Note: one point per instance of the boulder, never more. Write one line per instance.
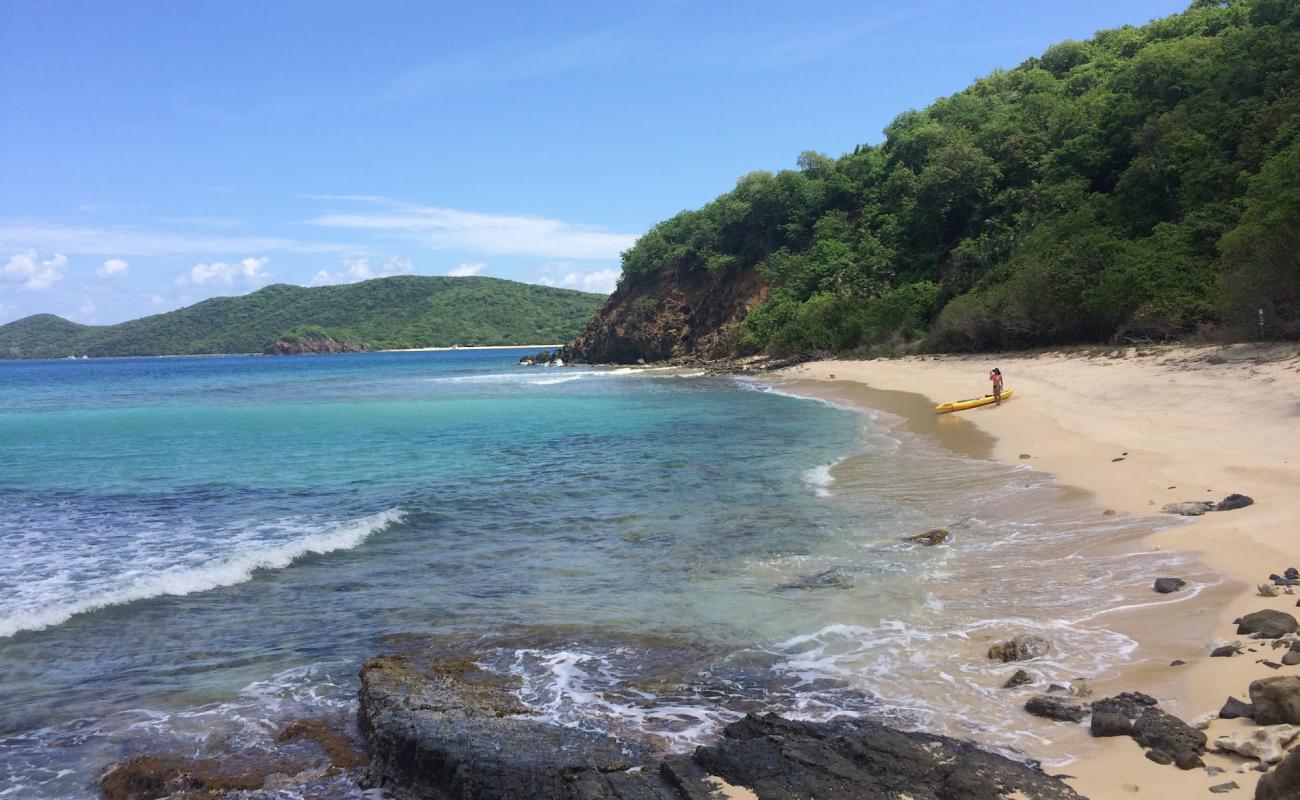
(1188, 759)
(1018, 678)
(1234, 709)
(1292, 573)
(1233, 502)
(929, 538)
(1167, 585)
(1192, 508)
(1267, 624)
(1226, 651)
(1021, 648)
(1055, 708)
(779, 759)
(1165, 732)
(1267, 743)
(1108, 723)
(1276, 700)
(1283, 783)
(1129, 704)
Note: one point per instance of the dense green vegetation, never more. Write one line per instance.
(403, 311)
(1142, 185)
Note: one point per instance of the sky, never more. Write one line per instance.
(155, 154)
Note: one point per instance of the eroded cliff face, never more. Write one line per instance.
(669, 316)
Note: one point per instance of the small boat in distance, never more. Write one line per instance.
(962, 405)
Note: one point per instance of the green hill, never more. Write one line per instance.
(1141, 185)
(384, 313)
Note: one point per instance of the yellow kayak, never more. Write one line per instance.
(962, 405)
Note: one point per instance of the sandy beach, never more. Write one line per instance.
(1138, 429)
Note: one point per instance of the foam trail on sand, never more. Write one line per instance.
(223, 571)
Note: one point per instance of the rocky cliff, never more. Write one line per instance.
(672, 315)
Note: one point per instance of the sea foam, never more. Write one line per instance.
(221, 571)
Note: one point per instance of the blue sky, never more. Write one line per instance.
(155, 154)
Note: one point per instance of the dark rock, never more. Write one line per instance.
(1188, 759)
(862, 760)
(832, 578)
(148, 777)
(338, 746)
(1227, 651)
(1268, 624)
(1291, 658)
(1021, 648)
(1160, 756)
(1223, 788)
(1113, 460)
(1276, 700)
(448, 728)
(1177, 662)
(312, 345)
(444, 728)
(1160, 731)
(1056, 687)
(929, 538)
(1025, 455)
(1167, 585)
(1283, 783)
(1108, 723)
(1055, 708)
(1214, 770)
(1292, 573)
(1234, 708)
(1233, 502)
(1129, 704)
(1192, 508)
(1018, 678)
(1271, 664)
(1285, 582)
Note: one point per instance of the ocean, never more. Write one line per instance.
(196, 551)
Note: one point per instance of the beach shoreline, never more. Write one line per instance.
(1136, 430)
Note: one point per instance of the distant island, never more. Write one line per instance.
(406, 311)
(1140, 186)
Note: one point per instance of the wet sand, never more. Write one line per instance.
(1135, 430)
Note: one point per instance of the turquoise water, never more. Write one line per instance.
(206, 548)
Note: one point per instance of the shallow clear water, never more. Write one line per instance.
(198, 549)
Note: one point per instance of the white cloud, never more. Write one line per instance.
(31, 272)
(360, 269)
(119, 242)
(595, 280)
(497, 234)
(250, 272)
(113, 266)
(87, 310)
(465, 270)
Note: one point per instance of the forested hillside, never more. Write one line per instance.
(402, 311)
(1141, 185)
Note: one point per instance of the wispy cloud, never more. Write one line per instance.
(496, 234)
(246, 273)
(113, 266)
(31, 272)
(565, 276)
(360, 269)
(465, 270)
(117, 241)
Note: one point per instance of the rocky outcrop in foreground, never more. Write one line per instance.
(443, 728)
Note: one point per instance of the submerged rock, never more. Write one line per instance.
(831, 578)
(1021, 648)
(1268, 624)
(1276, 700)
(1018, 678)
(1055, 708)
(929, 538)
(1167, 585)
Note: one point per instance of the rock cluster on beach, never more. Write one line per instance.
(1195, 508)
(447, 728)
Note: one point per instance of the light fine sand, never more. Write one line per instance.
(1185, 424)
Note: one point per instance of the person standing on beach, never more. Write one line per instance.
(996, 377)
